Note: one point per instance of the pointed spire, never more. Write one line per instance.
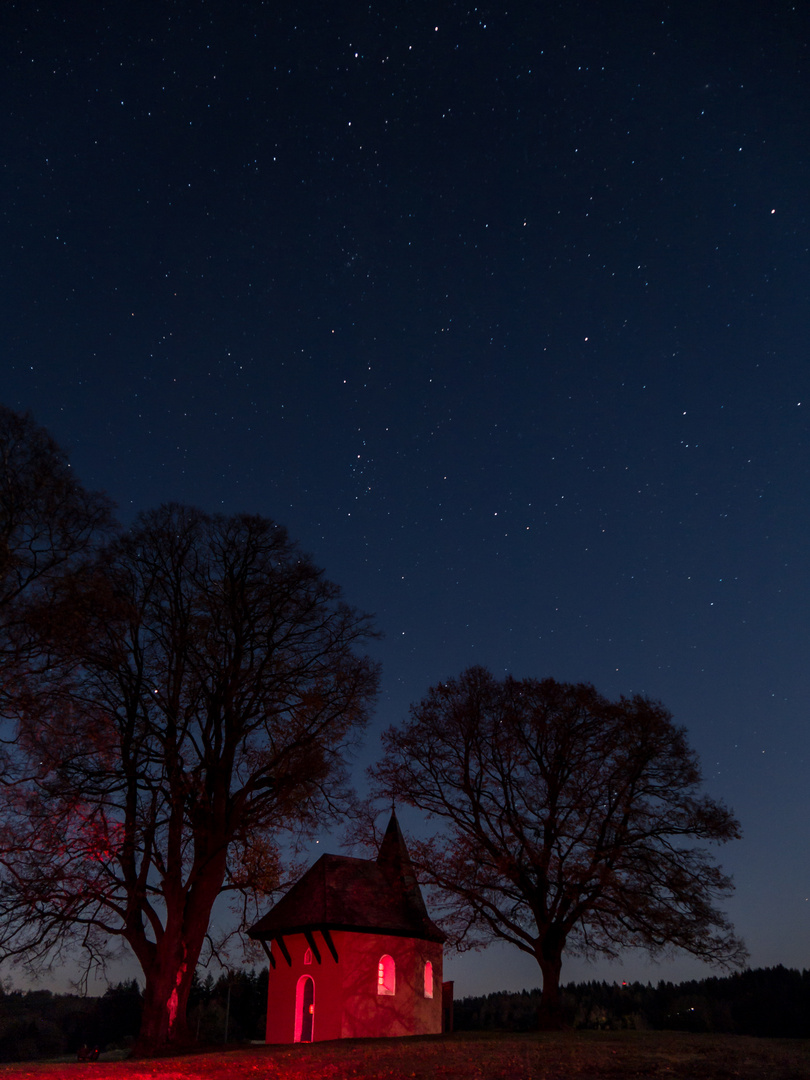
(395, 862)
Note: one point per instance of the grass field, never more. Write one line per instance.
(491, 1056)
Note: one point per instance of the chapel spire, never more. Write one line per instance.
(395, 862)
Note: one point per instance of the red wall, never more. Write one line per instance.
(346, 1002)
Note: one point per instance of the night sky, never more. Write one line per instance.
(501, 310)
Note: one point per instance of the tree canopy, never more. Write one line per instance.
(46, 517)
(48, 522)
(567, 821)
(192, 697)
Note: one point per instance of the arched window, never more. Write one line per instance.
(428, 979)
(308, 956)
(386, 976)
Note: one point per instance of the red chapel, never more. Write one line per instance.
(353, 953)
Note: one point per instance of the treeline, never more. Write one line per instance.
(772, 1002)
(231, 1009)
(40, 1024)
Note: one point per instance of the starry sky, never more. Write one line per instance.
(500, 309)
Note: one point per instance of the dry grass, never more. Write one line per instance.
(547, 1056)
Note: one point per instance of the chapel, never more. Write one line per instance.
(353, 952)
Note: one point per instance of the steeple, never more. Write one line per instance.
(395, 863)
(364, 896)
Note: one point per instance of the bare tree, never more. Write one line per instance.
(196, 691)
(46, 517)
(48, 522)
(569, 822)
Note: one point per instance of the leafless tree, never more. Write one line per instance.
(568, 822)
(48, 522)
(196, 690)
(47, 518)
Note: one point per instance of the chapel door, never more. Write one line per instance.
(307, 1009)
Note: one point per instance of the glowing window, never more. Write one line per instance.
(428, 980)
(386, 976)
(308, 956)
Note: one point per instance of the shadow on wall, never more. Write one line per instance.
(372, 986)
(391, 987)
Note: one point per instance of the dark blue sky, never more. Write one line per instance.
(500, 309)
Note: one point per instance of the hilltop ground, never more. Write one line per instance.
(491, 1056)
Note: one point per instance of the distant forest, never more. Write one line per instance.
(38, 1024)
(773, 1002)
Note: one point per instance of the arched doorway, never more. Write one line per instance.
(304, 1009)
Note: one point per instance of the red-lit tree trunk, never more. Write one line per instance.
(168, 981)
(169, 964)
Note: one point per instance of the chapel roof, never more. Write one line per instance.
(343, 893)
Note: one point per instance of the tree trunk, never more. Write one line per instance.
(549, 1013)
(170, 965)
(165, 996)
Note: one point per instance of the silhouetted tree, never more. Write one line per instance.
(47, 522)
(47, 518)
(198, 686)
(568, 822)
